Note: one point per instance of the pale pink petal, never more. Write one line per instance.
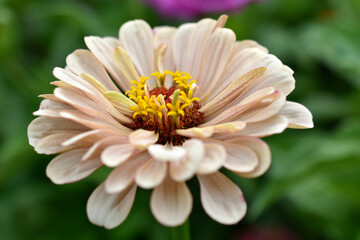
(215, 155)
(196, 45)
(110, 210)
(181, 43)
(151, 174)
(281, 80)
(239, 158)
(44, 126)
(117, 154)
(222, 200)
(103, 49)
(48, 104)
(125, 64)
(217, 53)
(123, 175)
(185, 169)
(68, 167)
(256, 107)
(206, 132)
(53, 143)
(298, 115)
(288, 69)
(196, 132)
(171, 203)
(50, 97)
(92, 92)
(241, 45)
(98, 147)
(81, 102)
(142, 138)
(265, 109)
(274, 125)
(138, 41)
(251, 58)
(165, 36)
(166, 153)
(83, 61)
(261, 149)
(92, 122)
(231, 92)
(88, 137)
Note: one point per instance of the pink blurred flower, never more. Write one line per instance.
(186, 9)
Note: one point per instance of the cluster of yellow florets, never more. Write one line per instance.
(151, 107)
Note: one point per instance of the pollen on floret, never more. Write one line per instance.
(164, 109)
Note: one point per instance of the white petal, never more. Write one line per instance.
(117, 154)
(142, 138)
(125, 64)
(171, 203)
(123, 175)
(98, 147)
(215, 155)
(185, 168)
(298, 115)
(53, 143)
(81, 102)
(196, 46)
(151, 174)
(165, 35)
(239, 158)
(181, 43)
(274, 125)
(166, 153)
(110, 210)
(44, 126)
(88, 136)
(216, 55)
(138, 41)
(103, 49)
(222, 200)
(92, 92)
(68, 167)
(83, 61)
(261, 149)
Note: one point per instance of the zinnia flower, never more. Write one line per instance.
(194, 8)
(192, 101)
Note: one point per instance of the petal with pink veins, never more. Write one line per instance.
(138, 41)
(84, 61)
(185, 168)
(298, 115)
(124, 174)
(261, 149)
(53, 143)
(215, 155)
(110, 210)
(171, 203)
(68, 167)
(142, 138)
(151, 174)
(117, 154)
(239, 158)
(222, 199)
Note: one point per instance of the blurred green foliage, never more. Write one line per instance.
(313, 187)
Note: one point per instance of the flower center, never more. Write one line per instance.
(163, 109)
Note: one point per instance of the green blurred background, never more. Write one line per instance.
(312, 190)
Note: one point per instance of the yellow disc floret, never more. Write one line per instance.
(152, 106)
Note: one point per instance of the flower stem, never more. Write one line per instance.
(181, 232)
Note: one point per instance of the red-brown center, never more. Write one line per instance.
(167, 129)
